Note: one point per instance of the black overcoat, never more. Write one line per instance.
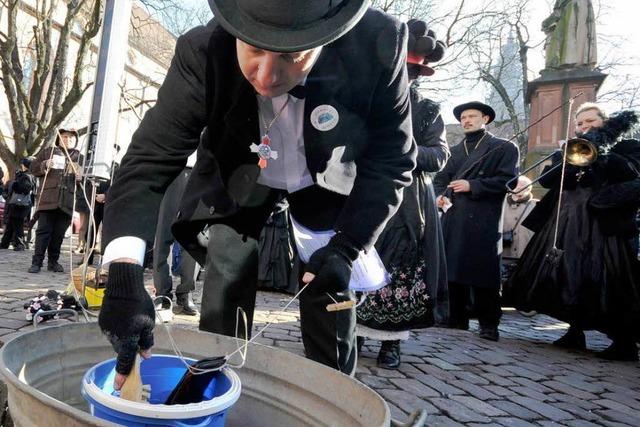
(360, 166)
(471, 227)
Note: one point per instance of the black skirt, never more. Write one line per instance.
(592, 285)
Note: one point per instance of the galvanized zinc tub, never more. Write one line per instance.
(43, 370)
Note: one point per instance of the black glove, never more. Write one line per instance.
(424, 42)
(127, 316)
(332, 264)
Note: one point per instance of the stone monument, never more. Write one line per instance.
(570, 68)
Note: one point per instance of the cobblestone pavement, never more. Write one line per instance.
(458, 378)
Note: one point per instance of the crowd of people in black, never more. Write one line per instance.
(455, 241)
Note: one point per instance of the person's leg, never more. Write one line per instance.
(9, 231)
(61, 222)
(43, 237)
(18, 234)
(231, 280)
(486, 303)
(164, 239)
(459, 296)
(187, 284)
(82, 233)
(98, 214)
(329, 337)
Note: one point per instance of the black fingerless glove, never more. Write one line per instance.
(127, 316)
(332, 264)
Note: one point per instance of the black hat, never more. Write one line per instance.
(286, 25)
(422, 48)
(26, 162)
(69, 130)
(475, 105)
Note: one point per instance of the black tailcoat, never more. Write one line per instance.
(360, 166)
(471, 228)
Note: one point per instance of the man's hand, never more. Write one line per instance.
(100, 198)
(127, 316)
(48, 164)
(441, 201)
(330, 267)
(460, 186)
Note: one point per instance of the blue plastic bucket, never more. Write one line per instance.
(162, 373)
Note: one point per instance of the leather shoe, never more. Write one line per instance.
(185, 302)
(489, 333)
(389, 356)
(620, 350)
(574, 339)
(55, 267)
(35, 268)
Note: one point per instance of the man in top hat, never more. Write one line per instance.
(471, 189)
(308, 100)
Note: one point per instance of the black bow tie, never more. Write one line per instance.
(299, 92)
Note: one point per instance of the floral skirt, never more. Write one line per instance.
(401, 305)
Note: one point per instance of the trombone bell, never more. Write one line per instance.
(581, 152)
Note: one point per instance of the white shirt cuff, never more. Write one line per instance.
(125, 247)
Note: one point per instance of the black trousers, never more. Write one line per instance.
(52, 225)
(466, 301)
(98, 215)
(164, 239)
(14, 227)
(231, 281)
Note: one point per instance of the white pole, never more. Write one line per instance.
(106, 96)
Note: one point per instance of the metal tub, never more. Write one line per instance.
(43, 371)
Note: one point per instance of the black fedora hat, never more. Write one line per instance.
(475, 105)
(288, 25)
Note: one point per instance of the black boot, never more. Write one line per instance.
(624, 350)
(55, 267)
(489, 333)
(35, 268)
(389, 356)
(185, 302)
(573, 339)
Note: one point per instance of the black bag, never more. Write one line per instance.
(18, 199)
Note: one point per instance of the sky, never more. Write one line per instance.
(617, 21)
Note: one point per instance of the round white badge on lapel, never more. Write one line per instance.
(324, 117)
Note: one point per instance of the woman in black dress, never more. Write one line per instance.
(411, 246)
(592, 281)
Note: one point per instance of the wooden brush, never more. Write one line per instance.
(339, 306)
(132, 389)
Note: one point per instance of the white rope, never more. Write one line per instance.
(564, 164)
(242, 350)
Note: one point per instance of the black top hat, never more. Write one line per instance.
(285, 25)
(475, 105)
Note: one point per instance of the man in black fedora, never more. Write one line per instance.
(471, 189)
(308, 101)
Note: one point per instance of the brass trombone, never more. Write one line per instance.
(579, 152)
